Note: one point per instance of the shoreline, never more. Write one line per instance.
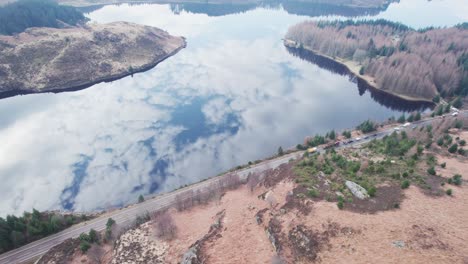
(107, 79)
(364, 78)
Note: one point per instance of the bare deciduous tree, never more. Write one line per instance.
(253, 180)
(165, 225)
(184, 200)
(96, 253)
(405, 61)
(231, 181)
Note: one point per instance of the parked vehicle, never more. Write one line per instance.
(311, 150)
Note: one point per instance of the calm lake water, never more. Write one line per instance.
(235, 94)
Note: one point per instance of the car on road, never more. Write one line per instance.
(455, 114)
(312, 150)
(366, 137)
(406, 124)
(396, 129)
(358, 138)
(351, 141)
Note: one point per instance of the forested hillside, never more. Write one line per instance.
(419, 64)
(17, 231)
(18, 16)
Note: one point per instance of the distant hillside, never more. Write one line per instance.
(341, 3)
(400, 60)
(55, 60)
(350, 3)
(17, 17)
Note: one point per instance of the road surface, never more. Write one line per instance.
(126, 216)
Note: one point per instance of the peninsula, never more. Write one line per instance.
(46, 47)
(55, 60)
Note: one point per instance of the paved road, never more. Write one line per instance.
(126, 216)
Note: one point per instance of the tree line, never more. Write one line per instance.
(421, 64)
(17, 231)
(18, 16)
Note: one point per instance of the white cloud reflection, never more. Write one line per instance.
(245, 81)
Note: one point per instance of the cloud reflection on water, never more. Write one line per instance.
(103, 146)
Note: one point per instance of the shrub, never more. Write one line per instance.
(141, 198)
(420, 149)
(443, 165)
(447, 108)
(431, 171)
(461, 151)
(141, 219)
(83, 237)
(428, 144)
(110, 222)
(440, 142)
(440, 110)
(317, 140)
(346, 134)
(453, 148)
(93, 236)
(402, 119)
(340, 204)
(366, 126)
(280, 151)
(457, 103)
(405, 184)
(417, 117)
(436, 99)
(462, 142)
(455, 180)
(312, 193)
(410, 118)
(458, 124)
(449, 192)
(371, 191)
(84, 246)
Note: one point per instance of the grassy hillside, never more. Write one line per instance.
(401, 60)
(17, 17)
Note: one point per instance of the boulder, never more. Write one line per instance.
(357, 190)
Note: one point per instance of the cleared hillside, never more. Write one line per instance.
(393, 57)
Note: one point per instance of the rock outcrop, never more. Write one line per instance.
(357, 190)
(55, 60)
(139, 247)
